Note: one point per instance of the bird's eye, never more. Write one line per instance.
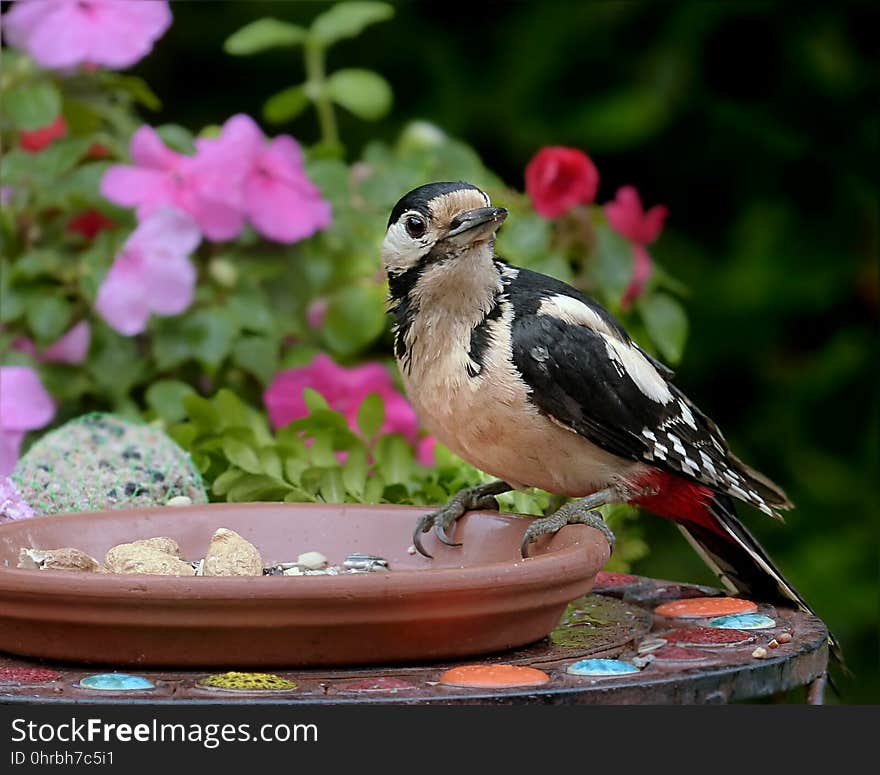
(415, 226)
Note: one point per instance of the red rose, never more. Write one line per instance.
(559, 178)
(38, 139)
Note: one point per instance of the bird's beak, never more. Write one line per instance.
(474, 225)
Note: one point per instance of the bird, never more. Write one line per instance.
(533, 382)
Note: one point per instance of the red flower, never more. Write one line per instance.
(89, 223)
(98, 151)
(558, 179)
(627, 217)
(37, 139)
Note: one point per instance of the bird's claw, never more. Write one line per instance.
(569, 514)
(443, 519)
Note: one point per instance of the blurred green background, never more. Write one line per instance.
(752, 123)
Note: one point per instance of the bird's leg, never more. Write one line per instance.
(469, 499)
(579, 512)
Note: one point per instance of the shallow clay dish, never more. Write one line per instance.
(474, 599)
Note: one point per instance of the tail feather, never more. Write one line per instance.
(741, 563)
(773, 495)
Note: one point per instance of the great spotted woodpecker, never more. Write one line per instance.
(533, 382)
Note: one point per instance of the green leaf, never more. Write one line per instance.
(240, 454)
(205, 335)
(257, 355)
(262, 35)
(332, 488)
(294, 468)
(314, 400)
(177, 137)
(374, 489)
(48, 316)
(270, 462)
(202, 412)
(355, 318)
(286, 105)
(32, 105)
(363, 92)
(258, 488)
(394, 459)
(347, 20)
(667, 324)
(224, 482)
(354, 472)
(234, 412)
(166, 397)
(613, 262)
(371, 415)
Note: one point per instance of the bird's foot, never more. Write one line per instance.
(574, 513)
(469, 499)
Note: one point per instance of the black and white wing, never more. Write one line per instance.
(585, 373)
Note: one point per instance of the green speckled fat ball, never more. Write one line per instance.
(100, 461)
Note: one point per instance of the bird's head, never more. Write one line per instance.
(439, 221)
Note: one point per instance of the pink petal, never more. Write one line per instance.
(171, 284)
(400, 417)
(24, 402)
(148, 150)
(425, 451)
(127, 31)
(12, 505)
(66, 33)
(627, 217)
(137, 187)
(72, 348)
(283, 398)
(24, 345)
(221, 163)
(282, 212)
(642, 268)
(316, 312)
(168, 230)
(652, 224)
(10, 449)
(219, 220)
(284, 160)
(121, 301)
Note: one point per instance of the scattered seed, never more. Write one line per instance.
(179, 500)
(773, 644)
(411, 549)
(312, 560)
(784, 637)
(759, 653)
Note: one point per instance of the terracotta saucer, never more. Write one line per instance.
(474, 599)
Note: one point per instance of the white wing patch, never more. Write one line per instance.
(574, 312)
(639, 369)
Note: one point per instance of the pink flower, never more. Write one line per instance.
(345, 389)
(37, 139)
(627, 217)
(425, 451)
(67, 33)
(12, 505)
(71, 348)
(152, 274)
(24, 406)
(232, 177)
(559, 178)
(316, 312)
(274, 192)
(165, 178)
